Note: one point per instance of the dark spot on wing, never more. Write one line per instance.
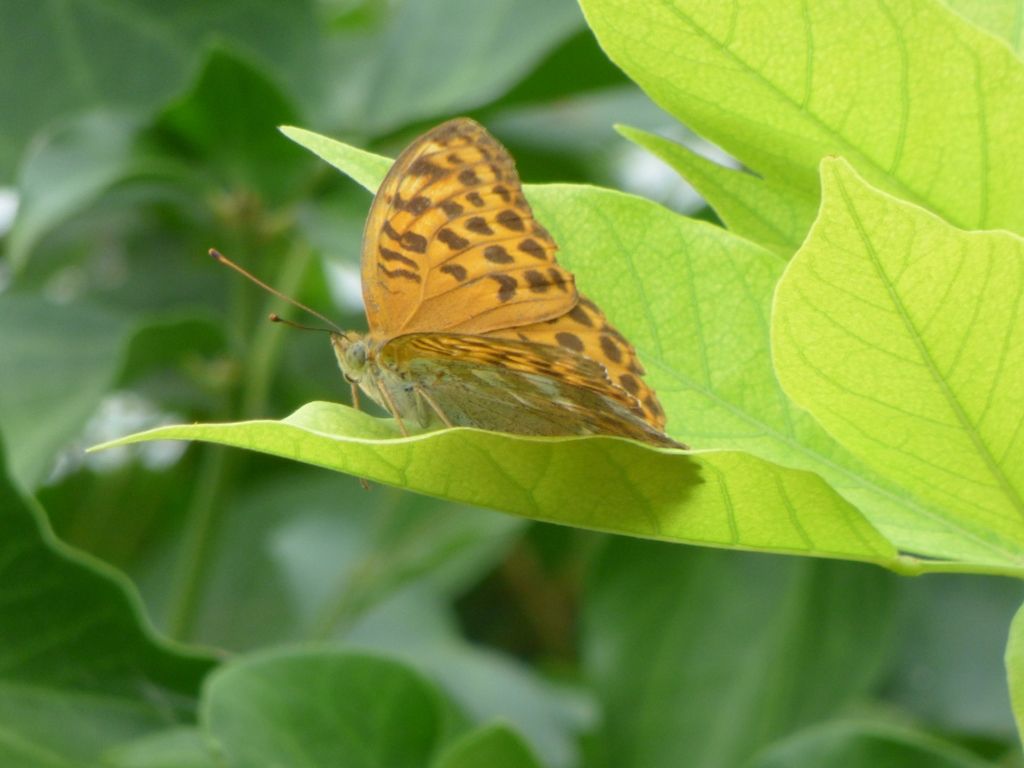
(629, 383)
(479, 225)
(424, 167)
(452, 240)
(579, 314)
(414, 242)
(652, 406)
(403, 273)
(507, 285)
(537, 282)
(475, 199)
(469, 177)
(497, 254)
(388, 255)
(502, 192)
(610, 348)
(569, 341)
(509, 219)
(455, 270)
(558, 278)
(451, 208)
(533, 248)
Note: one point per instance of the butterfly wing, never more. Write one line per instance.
(451, 243)
(586, 331)
(515, 386)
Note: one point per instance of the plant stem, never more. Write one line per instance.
(218, 465)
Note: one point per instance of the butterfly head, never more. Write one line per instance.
(351, 349)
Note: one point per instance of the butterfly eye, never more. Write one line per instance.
(355, 357)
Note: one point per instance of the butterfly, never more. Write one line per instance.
(471, 320)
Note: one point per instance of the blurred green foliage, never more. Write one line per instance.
(345, 627)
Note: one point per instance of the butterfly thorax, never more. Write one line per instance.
(378, 376)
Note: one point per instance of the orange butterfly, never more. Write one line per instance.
(472, 322)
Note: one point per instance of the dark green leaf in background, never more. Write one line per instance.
(80, 670)
(701, 659)
(56, 363)
(322, 709)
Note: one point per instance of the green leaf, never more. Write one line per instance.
(68, 169)
(721, 498)
(779, 86)
(77, 651)
(328, 552)
(146, 55)
(305, 709)
(367, 168)
(56, 363)
(695, 302)
(439, 58)
(950, 674)
(1015, 669)
(225, 125)
(862, 745)
(174, 748)
(494, 746)
(708, 358)
(1000, 17)
(902, 336)
(419, 626)
(767, 212)
(701, 658)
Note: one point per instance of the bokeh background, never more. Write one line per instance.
(134, 136)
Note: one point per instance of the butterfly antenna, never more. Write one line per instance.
(276, 318)
(218, 256)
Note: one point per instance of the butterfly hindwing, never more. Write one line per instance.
(586, 331)
(452, 245)
(516, 386)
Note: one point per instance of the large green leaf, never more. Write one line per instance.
(701, 658)
(725, 498)
(81, 670)
(695, 301)
(781, 85)
(313, 709)
(903, 337)
(56, 363)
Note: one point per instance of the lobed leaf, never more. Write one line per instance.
(922, 103)
(76, 650)
(904, 338)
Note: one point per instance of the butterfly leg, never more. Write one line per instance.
(355, 396)
(437, 409)
(386, 397)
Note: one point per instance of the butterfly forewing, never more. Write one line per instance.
(452, 245)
